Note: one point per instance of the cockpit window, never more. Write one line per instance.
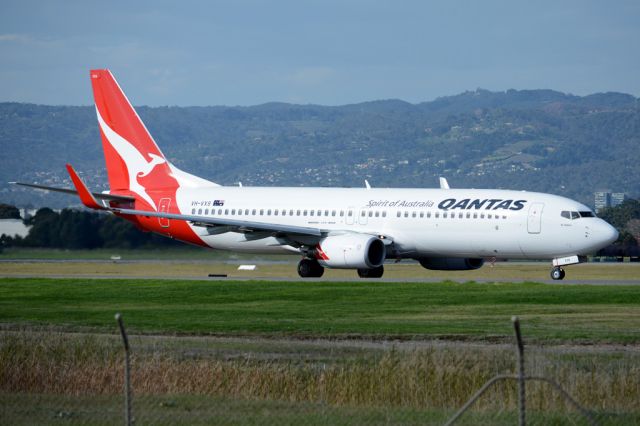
(576, 215)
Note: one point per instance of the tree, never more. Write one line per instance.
(9, 212)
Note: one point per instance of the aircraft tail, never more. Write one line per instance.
(134, 162)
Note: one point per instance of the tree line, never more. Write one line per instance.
(74, 229)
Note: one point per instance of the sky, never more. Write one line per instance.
(328, 52)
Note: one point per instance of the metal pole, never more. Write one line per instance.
(521, 376)
(127, 372)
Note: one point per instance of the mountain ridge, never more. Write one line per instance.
(540, 140)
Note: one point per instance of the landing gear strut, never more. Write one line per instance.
(557, 273)
(310, 268)
(371, 273)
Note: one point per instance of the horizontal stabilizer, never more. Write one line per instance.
(83, 192)
(97, 195)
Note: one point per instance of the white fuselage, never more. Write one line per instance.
(419, 222)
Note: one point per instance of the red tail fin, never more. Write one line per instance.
(134, 161)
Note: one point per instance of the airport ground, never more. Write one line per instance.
(408, 349)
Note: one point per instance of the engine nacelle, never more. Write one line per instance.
(451, 263)
(351, 251)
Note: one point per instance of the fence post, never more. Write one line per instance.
(521, 376)
(127, 372)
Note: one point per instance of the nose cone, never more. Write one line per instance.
(606, 233)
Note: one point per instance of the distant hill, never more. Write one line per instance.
(536, 140)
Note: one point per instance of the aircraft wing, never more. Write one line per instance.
(229, 225)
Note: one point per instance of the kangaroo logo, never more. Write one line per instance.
(137, 164)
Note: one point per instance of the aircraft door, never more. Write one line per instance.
(164, 208)
(362, 216)
(534, 220)
(351, 211)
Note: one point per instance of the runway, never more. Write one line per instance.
(610, 274)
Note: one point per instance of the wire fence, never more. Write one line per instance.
(59, 377)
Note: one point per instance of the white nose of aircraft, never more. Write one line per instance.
(605, 234)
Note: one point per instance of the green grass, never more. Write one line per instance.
(575, 313)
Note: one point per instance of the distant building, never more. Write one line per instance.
(13, 228)
(603, 199)
(617, 198)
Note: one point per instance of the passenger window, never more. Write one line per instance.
(350, 213)
(384, 214)
(481, 215)
(304, 213)
(468, 215)
(437, 215)
(413, 214)
(428, 215)
(319, 212)
(312, 212)
(291, 213)
(246, 212)
(444, 215)
(489, 216)
(233, 212)
(398, 214)
(275, 212)
(326, 212)
(370, 213)
(475, 215)
(421, 214)
(297, 212)
(406, 214)
(363, 213)
(377, 214)
(193, 211)
(261, 212)
(226, 211)
(284, 212)
(341, 213)
(333, 213)
(253, 212)
(199, 211)
(220, 211)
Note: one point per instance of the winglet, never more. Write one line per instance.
(85, 195)
(443, 183)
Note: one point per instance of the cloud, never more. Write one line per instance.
(14, 38)
(312, 76)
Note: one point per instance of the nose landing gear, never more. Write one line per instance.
(557, 273)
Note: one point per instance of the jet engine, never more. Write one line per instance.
(451, 263)
(351, 251)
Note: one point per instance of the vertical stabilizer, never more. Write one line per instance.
(134, 162)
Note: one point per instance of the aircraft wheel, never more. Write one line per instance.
(557, 273)
(310, 268)
(371, 273)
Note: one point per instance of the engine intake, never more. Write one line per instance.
(451, 263)
(351, 251)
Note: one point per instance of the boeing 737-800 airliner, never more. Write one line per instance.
(349, 228)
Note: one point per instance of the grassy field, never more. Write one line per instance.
(313, 352)
(578, 313)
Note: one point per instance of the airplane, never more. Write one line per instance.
(345, 228)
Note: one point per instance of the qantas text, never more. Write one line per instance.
(477, 204)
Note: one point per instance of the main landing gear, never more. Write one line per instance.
(371, 273)
(310, 268)
(557, 273)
